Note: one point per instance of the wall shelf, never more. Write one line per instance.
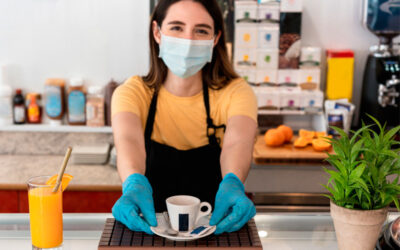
(294, 113)
(51, 128)
(314, 121)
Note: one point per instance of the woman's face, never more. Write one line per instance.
(186, 19)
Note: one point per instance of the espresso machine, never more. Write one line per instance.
(381, 83)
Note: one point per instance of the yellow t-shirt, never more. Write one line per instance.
(180, 122)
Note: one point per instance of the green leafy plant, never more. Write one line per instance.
(362, 164)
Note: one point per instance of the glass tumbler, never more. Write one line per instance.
(45, 213)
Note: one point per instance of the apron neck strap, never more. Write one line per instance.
(150, 116)
(211, 128)
(207, 105)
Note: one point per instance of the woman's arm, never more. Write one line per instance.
(232, 208)
(237, 149)
(129, 143)
(136, 196)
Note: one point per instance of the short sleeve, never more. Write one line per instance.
(131, 96)
(243, 101)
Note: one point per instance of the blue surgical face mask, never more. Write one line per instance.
(185, 57)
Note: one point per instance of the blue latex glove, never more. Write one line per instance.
(232, 208)
(137, 197)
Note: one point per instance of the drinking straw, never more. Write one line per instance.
(62, 169)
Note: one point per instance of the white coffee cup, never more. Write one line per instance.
(185, 211)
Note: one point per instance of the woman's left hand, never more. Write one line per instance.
(232, 208)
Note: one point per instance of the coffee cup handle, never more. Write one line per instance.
(205, 213)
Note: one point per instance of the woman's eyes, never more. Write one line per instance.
(203, 32)
(177, 28)
(199, 31)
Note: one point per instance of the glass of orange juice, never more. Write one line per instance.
(45, 212)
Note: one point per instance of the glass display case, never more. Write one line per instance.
(276, 230)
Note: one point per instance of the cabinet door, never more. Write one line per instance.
(9, 202)
(76, 201)
(23, 205)
(89, 201)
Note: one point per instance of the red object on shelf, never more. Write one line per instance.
(339, 53)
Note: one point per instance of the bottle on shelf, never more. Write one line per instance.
(5, 99)
(95, 107)
(109, 90)
(19, 110)
(28, 99)
(54, 100)
(33, 111)
(76, 102)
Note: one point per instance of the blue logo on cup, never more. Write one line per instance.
(183, 222)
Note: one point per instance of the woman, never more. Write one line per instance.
(190, 103)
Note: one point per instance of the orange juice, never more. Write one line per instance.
(45, 211)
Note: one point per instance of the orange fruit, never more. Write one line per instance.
(64, 181)
(321, 144)
(306, 133)
(302, 142)
(274, 137)
(287, 131)
(320, 134)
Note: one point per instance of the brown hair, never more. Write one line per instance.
(216, 74)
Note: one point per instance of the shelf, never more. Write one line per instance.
(50, 128)
(315, 121)
(276, 112)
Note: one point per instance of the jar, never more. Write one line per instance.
(54, 100)
(109, 90)
(95, 107)
(76, 102)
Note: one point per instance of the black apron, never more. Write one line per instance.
(170, 171)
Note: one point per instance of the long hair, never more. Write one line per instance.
(216, 74)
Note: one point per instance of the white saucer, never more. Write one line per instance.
(162, 225)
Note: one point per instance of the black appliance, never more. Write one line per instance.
(381, 83)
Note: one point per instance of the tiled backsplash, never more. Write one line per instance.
(47, 143)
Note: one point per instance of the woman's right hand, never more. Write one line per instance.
(137, 197)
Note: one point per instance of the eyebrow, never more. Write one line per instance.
(203, 25)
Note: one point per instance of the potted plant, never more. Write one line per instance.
(360, 191)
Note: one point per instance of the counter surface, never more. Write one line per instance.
(298, 231)
(15, 170)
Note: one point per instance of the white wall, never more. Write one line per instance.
(100, 39)
(337, 24)
(96, 39)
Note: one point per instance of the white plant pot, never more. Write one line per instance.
(357, 229)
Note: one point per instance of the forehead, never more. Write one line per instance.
(188, 12)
